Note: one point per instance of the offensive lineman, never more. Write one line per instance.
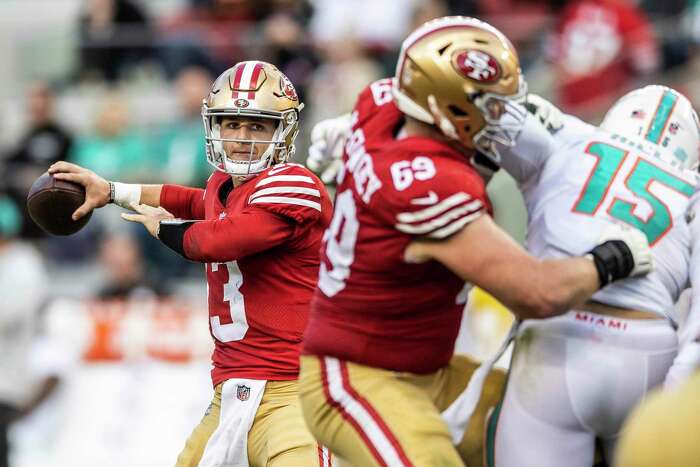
(377, 364)
(258, 228)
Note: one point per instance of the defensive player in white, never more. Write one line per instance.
(574, 378)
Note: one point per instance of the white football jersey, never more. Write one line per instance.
(580, 180)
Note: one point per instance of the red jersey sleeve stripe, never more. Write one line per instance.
(442, 220)
(455, 226)
(285, 178)
(285, 189)
(424, 214)
(287, 200)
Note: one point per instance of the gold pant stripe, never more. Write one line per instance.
(360, 414)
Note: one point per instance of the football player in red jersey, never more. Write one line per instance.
(258, 228)
(411, 224)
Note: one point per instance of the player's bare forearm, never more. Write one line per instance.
(484, 255)
(567, 283)
(150, 195)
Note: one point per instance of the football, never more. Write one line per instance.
(51, 203)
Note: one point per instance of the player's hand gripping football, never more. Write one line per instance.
(96, 187)
(328, 139)
(149, 216)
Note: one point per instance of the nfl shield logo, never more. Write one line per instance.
(242, 392)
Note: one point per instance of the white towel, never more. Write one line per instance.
(457, 415)
(228, 445)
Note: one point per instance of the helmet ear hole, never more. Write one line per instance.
(467, 128)
(443, 48)
(457, 112)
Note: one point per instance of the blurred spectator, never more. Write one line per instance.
(22, 280)
(178, 148)
(428, 10)
(114, 149)
(522, 21)
(113, 36)
(599, 48)
(375, 24)
(210, 33)
(346, 70)
(675, 42)
(122, 261)
(44, 143)
(286, 42)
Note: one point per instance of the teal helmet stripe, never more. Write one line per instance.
(663, 113)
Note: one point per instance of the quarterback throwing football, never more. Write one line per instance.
(258, 228)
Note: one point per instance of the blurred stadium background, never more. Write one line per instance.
(104, 344)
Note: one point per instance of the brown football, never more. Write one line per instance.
(51, 203)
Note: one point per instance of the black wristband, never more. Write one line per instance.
(172, 234)
(111, 192)
(613, 260)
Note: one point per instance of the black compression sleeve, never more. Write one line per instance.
(172, 234)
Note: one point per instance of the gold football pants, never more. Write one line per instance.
(374, 417)
(277, 438)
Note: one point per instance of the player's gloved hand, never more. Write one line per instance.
(622, 252)
(547, 113)
(328, 139)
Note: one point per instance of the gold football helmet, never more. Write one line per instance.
(462, 75)
(251, 89)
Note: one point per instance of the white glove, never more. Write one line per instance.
(547, 113)
(328, 139)
(636, 241)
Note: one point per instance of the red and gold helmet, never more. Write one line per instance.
(252, 89)
(462, 75)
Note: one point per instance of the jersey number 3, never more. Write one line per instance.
(232, 326)
(605, 172)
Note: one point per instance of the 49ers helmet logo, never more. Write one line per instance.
(477, 65)
(288, 89)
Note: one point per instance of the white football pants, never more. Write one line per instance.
(574, 378)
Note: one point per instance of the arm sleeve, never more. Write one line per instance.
(183, 202)
(232, 238)
(535, 145)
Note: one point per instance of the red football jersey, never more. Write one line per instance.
(370, 306)
(261, 248)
